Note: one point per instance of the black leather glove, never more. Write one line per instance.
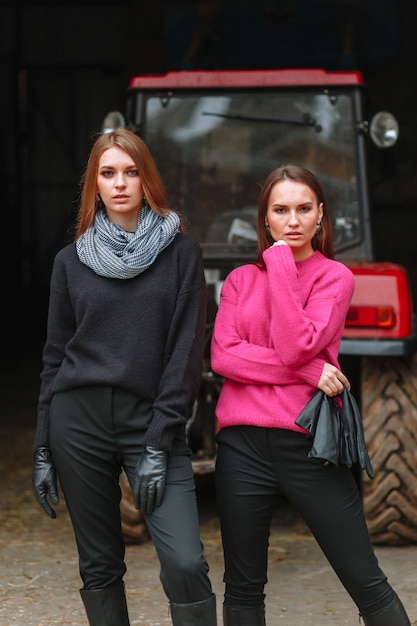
(149, 486)
(44, 480)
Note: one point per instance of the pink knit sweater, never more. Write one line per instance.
(274, 331)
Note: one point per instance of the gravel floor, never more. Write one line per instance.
(39, 578)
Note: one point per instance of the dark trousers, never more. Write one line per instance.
(94, 432)
(253, 466)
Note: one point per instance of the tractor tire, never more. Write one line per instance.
(389, 413)
(133, 525)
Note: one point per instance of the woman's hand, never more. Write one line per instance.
(332, 380)
(44, 480)
(150, 474)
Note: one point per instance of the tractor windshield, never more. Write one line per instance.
(214, 150)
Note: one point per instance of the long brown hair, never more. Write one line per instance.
(152, 184)
(322, 240)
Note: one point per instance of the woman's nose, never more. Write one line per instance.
(120, 180)
(293, 217)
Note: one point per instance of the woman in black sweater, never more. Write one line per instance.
(121, 370)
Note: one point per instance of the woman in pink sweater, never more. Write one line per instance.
(276, 341)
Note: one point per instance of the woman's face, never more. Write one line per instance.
(292, 216)
(120, 188)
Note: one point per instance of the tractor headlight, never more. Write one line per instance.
(384, 129)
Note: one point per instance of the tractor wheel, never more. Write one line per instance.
(389, 412)
(133, 525)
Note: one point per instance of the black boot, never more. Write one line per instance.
(253, 616)
(106, 607)
(195, 614)
(393, 615)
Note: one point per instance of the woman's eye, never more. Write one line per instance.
(133, 172)
(305, 209)
(106, 173)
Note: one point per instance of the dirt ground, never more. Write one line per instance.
(39, 578)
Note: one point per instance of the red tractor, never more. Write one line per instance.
(215, 135)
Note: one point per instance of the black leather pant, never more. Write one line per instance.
(95, 431)
(253, 466)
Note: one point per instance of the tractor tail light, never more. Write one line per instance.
(371, 317)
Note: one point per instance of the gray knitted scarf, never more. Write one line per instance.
(112, 252)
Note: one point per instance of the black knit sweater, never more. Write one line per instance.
(144, 335)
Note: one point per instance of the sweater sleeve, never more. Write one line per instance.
(60, 329)
(300, 331)
(181, 375)
(237, 359)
